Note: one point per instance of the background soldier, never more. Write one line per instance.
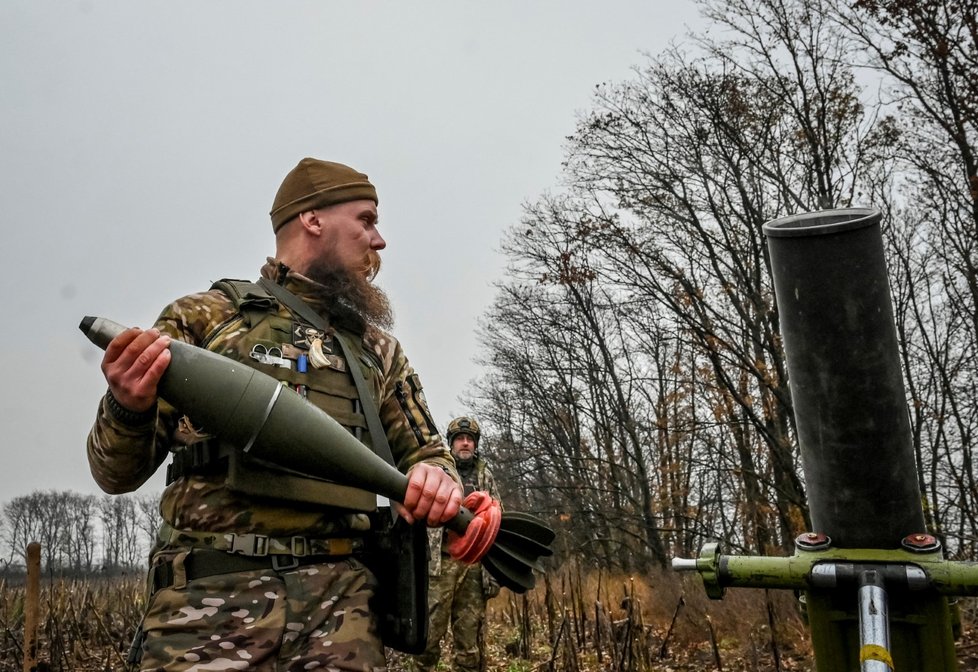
(458, 592)
(257, 568)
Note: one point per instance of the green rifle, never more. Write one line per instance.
(874, 584)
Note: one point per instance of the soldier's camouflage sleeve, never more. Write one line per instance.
(489, 484)
(404, 412)
(121, 456)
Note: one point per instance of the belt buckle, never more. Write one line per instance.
(282, 563)
(253, 545)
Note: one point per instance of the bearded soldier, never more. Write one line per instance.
(257, 567)
(458, 592)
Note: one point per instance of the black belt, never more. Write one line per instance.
(201, 564)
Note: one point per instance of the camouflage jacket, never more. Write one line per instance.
(123, 457)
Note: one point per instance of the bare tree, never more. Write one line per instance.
(927, 54)
(21, 526)
(81, 540)
(148, 515)
(121, 539)
(637, 379)
(61, 521)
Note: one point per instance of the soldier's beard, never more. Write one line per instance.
(351, 293)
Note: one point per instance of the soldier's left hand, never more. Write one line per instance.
(432, 495)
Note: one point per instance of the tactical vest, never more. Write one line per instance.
(258, 334)
(473, 477)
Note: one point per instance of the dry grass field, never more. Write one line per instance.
(570, 622)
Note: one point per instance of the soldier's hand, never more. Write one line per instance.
(133, 364)
(432, 495)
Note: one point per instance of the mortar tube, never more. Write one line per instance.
(845, 377)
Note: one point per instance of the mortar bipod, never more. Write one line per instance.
(865, 607)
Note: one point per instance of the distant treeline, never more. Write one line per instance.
(79, 534)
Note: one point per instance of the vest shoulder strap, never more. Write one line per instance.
(249, 298)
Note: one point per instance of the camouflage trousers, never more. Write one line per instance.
(308, 618)
(455, 594)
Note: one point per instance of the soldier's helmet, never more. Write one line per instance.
(463, 425)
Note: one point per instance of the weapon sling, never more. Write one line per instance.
(399, 554)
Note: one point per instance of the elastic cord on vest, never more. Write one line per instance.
(479, 536)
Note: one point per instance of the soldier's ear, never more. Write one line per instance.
(311, 222)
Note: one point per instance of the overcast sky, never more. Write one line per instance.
(141, 144)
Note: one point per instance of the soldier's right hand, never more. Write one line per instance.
(133, 364)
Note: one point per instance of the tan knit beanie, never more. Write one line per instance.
(316, 184)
